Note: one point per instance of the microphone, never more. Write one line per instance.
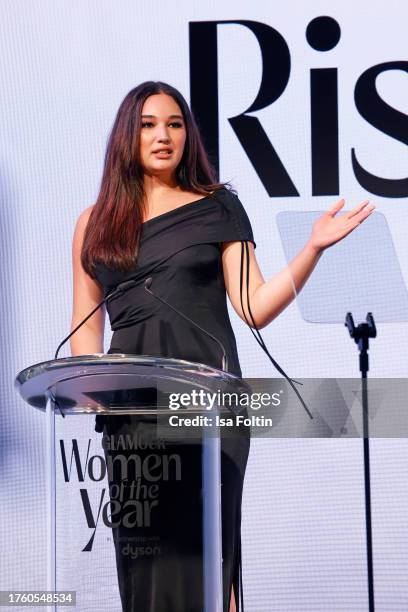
(119, 289)
(147, 286)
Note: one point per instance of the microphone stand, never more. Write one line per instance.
(119, 289)
(147, 285)
(361, 335)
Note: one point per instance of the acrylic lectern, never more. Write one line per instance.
(80, 508)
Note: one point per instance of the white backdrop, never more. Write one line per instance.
(65, 68)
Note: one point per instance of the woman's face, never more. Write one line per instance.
(162, 135)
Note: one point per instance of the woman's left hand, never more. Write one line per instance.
(329, 229)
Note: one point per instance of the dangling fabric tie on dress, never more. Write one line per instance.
(259, 339)
(257, 335)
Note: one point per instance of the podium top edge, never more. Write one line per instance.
(35, 383)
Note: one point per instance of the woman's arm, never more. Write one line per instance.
(87, 293)
(267, 299)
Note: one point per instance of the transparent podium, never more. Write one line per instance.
(154, 426)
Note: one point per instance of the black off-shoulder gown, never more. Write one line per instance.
(181, 251)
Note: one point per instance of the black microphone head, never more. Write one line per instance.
(121, 288)
(148, 282)
(126, 285)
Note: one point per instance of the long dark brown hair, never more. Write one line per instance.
(113, 230)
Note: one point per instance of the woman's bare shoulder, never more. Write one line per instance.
(84, 216)
(81, 224)
(82, 221)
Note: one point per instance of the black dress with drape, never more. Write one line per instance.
(180, 251)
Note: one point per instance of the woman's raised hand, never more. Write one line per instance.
(329, 228)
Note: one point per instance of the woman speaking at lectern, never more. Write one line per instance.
(162, 214)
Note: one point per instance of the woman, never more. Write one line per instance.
(161, 214)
